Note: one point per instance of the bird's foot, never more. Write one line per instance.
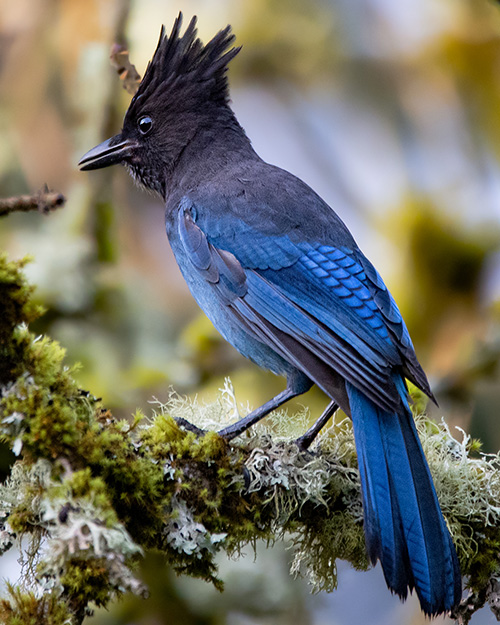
(305, 441)
(190, 427)
(235, 429)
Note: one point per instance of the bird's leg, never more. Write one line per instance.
(304, 441)
(235, 429)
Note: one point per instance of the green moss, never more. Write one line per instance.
(52, 420)
(204, 474)
(22, 520)
(17, 308)
(86, 581)
(484, 563)
(24, 608)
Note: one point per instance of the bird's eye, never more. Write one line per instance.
(145, 124)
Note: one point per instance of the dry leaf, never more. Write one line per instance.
(126, 71)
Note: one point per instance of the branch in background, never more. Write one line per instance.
(127, 72)
(43, 201)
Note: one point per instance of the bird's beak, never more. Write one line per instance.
(109, 152)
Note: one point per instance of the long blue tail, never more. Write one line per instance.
(404, 525)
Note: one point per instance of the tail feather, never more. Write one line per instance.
(384, 540)
(404, 526)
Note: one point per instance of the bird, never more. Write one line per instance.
(283, 280)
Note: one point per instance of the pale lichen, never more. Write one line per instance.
(185, 534)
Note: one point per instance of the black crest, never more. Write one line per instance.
(183, 62)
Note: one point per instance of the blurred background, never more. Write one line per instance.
(388, 109)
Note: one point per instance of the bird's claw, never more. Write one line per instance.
(304, 442)
(189, 427)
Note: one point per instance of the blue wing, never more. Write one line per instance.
(323, 308)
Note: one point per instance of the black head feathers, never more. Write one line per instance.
(182, 63)
(182, 100)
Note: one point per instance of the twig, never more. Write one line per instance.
(43, 201)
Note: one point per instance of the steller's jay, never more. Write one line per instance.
(282, 279)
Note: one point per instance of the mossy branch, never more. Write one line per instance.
(90, 493)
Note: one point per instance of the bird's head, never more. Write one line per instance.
(184, 89)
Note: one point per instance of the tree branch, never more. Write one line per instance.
(43, 201)
(88, 493)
